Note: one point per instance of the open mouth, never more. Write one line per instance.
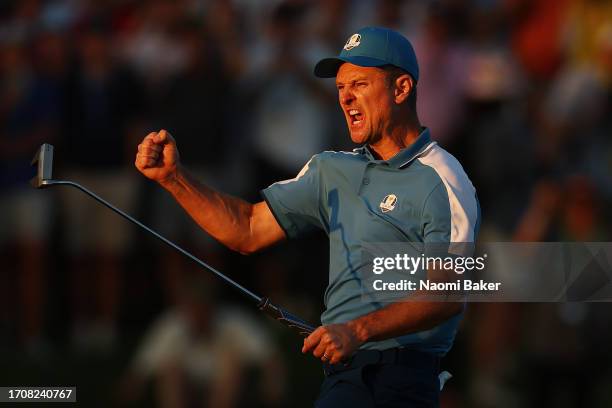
(355, 116)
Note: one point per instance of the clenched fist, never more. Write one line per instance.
(157, 156)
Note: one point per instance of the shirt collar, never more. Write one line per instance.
(404, 156)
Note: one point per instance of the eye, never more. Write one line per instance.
(361, 84)
(340, 87)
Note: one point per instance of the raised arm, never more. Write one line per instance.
(239, 225)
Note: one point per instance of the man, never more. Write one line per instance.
(200, 350)
(399, 186)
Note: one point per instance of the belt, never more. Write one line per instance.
(398, 355)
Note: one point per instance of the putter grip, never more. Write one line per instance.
(286, 318)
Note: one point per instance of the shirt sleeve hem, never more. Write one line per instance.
(277, 214)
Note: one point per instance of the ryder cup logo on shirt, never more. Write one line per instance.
(388, 203)
(353, 42)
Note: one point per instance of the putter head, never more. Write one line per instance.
(44, 162)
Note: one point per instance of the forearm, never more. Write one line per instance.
(423, 311)
(226, 218)
(401, 318)
(336, 342)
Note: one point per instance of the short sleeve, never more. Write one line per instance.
(450, 221)
(165, 341)
(295, 202)
(243, 336)
(436, 216)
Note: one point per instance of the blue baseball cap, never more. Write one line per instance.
(372, 47)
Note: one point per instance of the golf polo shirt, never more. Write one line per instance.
(419, 195)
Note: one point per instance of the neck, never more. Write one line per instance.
(397, 139)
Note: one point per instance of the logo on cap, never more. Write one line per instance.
(353, 42)
(388, 203)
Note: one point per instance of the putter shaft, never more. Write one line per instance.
(165, 240)
(44, 162)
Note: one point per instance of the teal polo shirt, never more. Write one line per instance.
(421, 194)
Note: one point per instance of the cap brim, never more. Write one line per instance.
(328, 67)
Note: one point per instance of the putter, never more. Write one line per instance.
(44, 178)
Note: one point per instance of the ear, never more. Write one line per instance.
(403, 86)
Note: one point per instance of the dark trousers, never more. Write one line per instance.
(389, 378)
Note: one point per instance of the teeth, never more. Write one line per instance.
(353, 112)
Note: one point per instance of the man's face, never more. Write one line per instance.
(366, 100)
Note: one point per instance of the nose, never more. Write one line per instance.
(346, 96)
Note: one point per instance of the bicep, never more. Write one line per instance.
(265, 230)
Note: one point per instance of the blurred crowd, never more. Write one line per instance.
(518, 90)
